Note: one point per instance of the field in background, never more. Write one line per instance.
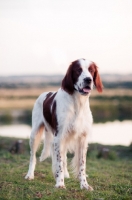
(21, 98)
(25, 98)
(16, 104)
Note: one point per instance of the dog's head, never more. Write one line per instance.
(80, 76)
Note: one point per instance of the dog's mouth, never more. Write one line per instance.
(85, 90)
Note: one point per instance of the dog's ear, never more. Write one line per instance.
(96, 77)
(67, 82)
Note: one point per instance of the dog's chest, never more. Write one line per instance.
(73, 115)
(80, 121)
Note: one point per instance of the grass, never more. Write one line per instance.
(110, 178)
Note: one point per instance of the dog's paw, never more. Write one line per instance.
(90, 188)
(86, 186)
(60, 186)
(29, 176)
(60, 183)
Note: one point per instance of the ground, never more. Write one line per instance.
(111, 177)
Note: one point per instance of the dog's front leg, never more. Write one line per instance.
(82, 163)
(57, 162)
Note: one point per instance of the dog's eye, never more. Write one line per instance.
(91, 70)
(79, 70)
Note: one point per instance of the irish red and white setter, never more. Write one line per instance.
(66, 119)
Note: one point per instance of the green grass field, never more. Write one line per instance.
(111, 178)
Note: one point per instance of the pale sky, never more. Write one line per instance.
(44, 36)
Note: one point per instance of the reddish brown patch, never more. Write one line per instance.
(71, 77)
(50, 114)
(93, 69)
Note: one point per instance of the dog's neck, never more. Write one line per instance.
(81, 100)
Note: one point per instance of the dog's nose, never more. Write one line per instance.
(87, 80)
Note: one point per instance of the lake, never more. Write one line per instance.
(109, 133)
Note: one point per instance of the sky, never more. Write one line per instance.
(45, 36)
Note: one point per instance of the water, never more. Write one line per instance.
(17, 131)
(110, 133)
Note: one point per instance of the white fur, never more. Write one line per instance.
(85, 73)
(74, 125)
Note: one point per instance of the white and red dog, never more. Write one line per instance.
(66, 119)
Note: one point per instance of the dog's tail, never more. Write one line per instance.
(46, 152)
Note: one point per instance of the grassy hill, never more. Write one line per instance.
(110, 177)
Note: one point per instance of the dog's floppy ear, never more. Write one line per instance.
(67, 82)
(96, 77)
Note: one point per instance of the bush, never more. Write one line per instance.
(107, 154)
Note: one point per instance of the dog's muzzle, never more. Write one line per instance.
(86, 89)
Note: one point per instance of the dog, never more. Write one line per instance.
(66, 119)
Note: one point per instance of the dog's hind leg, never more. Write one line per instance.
(66, 173)
(35, 139)
(48, 138)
